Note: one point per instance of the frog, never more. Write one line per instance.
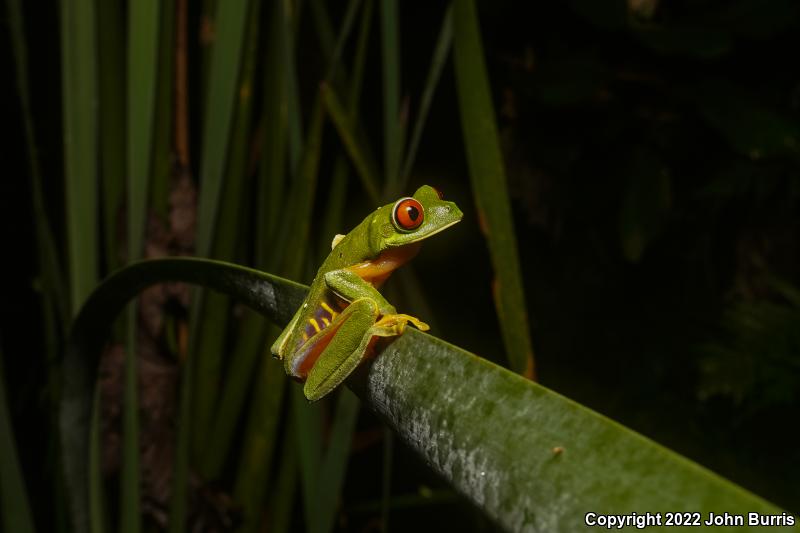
(344, 314)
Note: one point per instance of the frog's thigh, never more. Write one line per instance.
(345, 350)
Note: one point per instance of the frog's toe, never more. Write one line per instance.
(387, 328)
(398, 322)
(419, 324)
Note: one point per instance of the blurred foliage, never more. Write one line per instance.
(651, 155)
(758, 363)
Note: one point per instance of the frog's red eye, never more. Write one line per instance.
(407, 214)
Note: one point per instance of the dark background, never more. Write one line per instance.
(652, 158)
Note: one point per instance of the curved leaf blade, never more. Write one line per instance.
(256, 289)
(530, 458)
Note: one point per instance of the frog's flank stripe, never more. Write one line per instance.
(321, 319)
(329, 310)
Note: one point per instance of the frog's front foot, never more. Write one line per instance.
(395, 324)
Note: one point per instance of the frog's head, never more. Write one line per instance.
(412, 219)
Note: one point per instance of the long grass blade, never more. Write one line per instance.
(279, 512)
(234, 202)
(488, 178)
(289, 21)
(284, 129)
(52, 279)
(96, 488)
(257, 454)
(440, 54)
(226, 60)
(244, 361)
(164, 114)
(178, 505)
(15, 511)
(308, 439)
(272, 171)
(334, 465)
(252, 338)
(302, 197)
(112, 94)
(55, 305)
(331, 45)
(226, 56)
(143, 29)
(332, 220)
(365, 168)
(79, 101)
(390, 52)
(79, 89)
(344, 121)
(360, 59)
(306, 417)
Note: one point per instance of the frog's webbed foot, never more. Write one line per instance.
(395, 324)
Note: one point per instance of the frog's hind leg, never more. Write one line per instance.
(345, 350)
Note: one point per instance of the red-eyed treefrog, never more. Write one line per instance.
(344, 314)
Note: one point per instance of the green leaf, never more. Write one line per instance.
(226, 59)
(308, 439)
(750, 127)
(143, 42)
(530, 458)
(364, 166)
(112, 88)
(143, 29)
(79, 89)
(703, 43)
(252, 337)
(281, 502)
(52, 278)
(55, 305)
(228, 228)
(334, 464)
(646, 202)
(390, 51)
(165, 112)
(15, 512)
(263, 430)
(488, 177)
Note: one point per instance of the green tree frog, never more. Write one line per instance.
(344, 314)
